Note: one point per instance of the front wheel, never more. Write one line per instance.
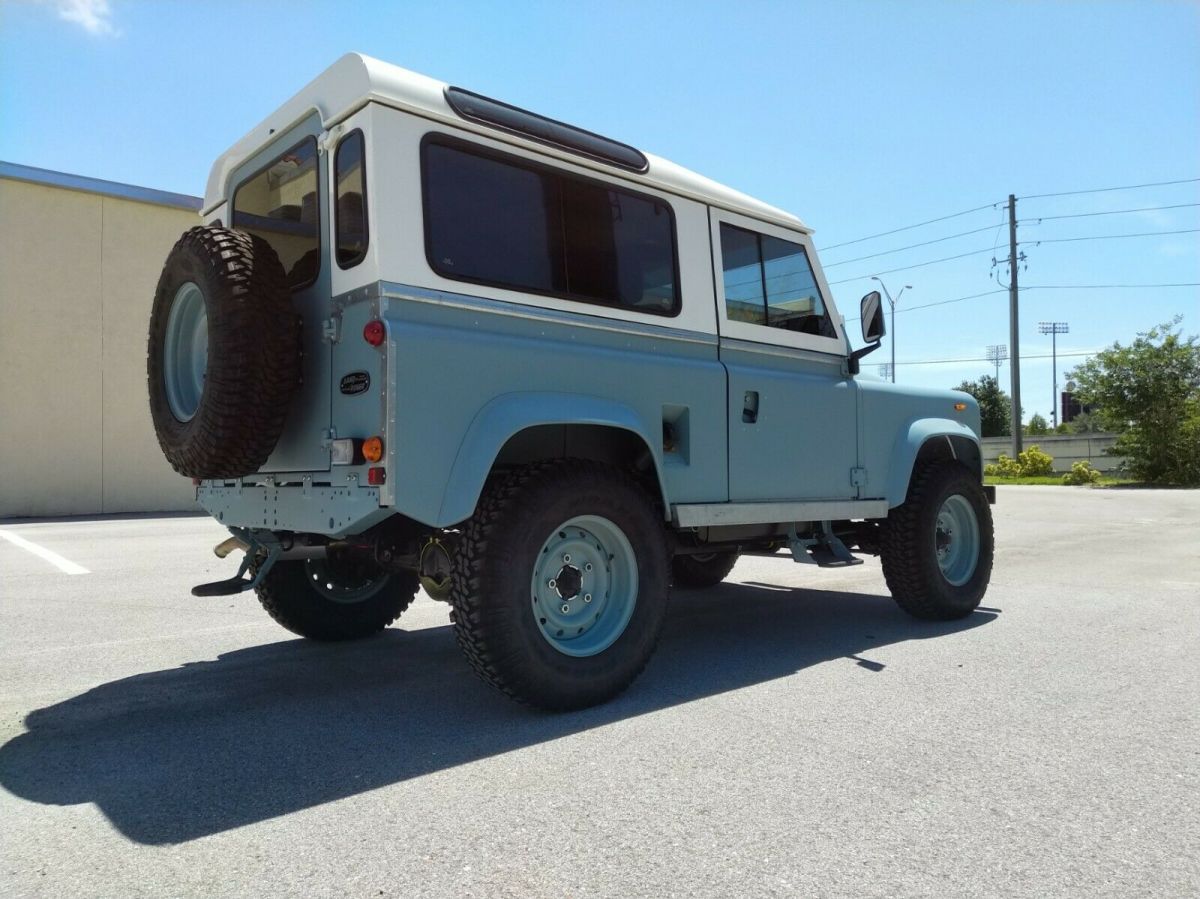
(560, 584)
(937, 547)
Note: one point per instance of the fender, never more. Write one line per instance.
(908, 445)
(511, 413)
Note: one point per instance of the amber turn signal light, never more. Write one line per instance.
(374, 332)
(372, 449)
(960, 407)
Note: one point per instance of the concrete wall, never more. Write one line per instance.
(1066, 450)
(77, 276)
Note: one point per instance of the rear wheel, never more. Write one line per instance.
(702, 571)
(560, 584)
(937, 547)
(335, 598)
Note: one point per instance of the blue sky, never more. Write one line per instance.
(861, 117)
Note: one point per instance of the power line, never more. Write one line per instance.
(971, 296)
(985, 359)
(908, 227)
(1080, 215)
(1026, 243)
(1101, 190)
(1106, 286)
(905, 268)
(911, 246)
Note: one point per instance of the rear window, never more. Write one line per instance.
(499, 220)
(279, 204)
(350, 194)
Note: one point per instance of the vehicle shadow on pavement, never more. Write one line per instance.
(170, 756)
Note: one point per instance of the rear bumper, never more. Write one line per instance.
(304, 508)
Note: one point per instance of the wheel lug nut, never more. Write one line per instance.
(567, 557)
(587, 567)
(566, 608)
(552, 583)
(587, 597)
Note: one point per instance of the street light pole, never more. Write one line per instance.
(997, 353)
(892, 303)
(1054, 329)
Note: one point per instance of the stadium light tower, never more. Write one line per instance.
(1054, 329)
(892, 303)
(997, 353)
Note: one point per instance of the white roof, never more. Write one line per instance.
(355, 80)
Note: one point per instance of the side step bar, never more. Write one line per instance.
(826, 550)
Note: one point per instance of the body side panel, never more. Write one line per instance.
(464, 372)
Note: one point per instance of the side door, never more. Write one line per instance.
(792, 407)
(281, 195)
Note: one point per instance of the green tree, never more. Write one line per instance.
(1149, 392)
(995, 408)
(1037, 426)
(1085, 423)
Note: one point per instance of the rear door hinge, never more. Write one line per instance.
(858, 477)
(331, 330)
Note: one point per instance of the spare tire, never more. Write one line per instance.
(223, 357)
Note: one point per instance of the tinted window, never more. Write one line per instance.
(770, 281)
(498, 220)
(350, 196)
(279, 204)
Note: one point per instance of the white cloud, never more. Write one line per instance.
(93, 16)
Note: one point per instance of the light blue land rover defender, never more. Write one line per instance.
(426, 337)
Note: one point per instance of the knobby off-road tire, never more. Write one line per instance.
(926, 544)
(581, 640)
(322, 600)
(223, 358)
(707, 570)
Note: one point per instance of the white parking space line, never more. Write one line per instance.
(64, 565)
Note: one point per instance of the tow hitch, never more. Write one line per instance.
(261, 550)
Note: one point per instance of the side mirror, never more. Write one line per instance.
(871, 317)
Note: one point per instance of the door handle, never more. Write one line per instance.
(750, 407)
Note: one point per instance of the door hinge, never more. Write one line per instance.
(326, 139)
(858, 477)
(331, 330)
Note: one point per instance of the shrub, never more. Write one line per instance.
(1081, 473)
(1034, 463)
(1004, 467)
(1030, 463)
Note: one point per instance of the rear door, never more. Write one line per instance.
(792, 408)
(282, 197)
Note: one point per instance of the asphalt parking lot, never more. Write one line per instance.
(795, 735)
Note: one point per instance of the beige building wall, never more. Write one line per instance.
(78, 270)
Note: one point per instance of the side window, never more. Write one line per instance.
(350, 200)
(495, 219)
(279, 204)
(769, 281)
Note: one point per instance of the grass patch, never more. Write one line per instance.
(1055, 480)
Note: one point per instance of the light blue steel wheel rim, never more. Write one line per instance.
(185, 353)
(342, 587)
(956, 540)
(585, 586)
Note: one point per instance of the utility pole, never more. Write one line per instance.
(997, 353)
(1014, 336)
(1054, 329)
(892, 303)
